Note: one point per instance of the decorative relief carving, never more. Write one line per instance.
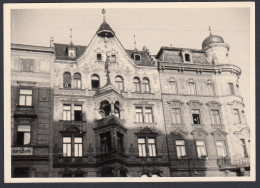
(213, 104)
(199, 132)
(175, 102)
(237, 104)
(244, 131)
(179, 132)
(219, 133)
(194, 104)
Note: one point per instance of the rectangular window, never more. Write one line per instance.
(243, 145)
(66, 112)
(105, 142)
(139, 114)
(78, 146)
(66, 146)
(148, 115)
(180, 148)
(151, 147)
(176, 116)
(237, 119)
(23, 135)
(113, 58)
(211, 89)
(25, 97)
(221, 148)
(196, 116)
(201, 149)
(141, 147)
(231, 88)
(173, 87)
(120, 145)
(215, 117)
(27, 65)
(192, 88)
(187, 57)
(78, 113)
(99, 57)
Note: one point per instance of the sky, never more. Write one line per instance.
(152, 27)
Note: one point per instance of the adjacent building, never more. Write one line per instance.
(104, 111)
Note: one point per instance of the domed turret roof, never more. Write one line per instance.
(212, 39)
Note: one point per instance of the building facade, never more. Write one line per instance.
(104, 111)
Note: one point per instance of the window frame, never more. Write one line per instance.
(211, 89)
(223, 148)
(25, 65)
(72, 145)
(179, 152)
(197, 149)
(212, 117)
(137, 85)
(236, 116)
(200, 119)
(231, 88)
(23, 132)
(67, 81)
(143, 114)
(146, 146)
(174, 115)
(77, 81)
(192, 88)
(173, 83)
(99, 57)
(25, 97)
(146, 85)
(119, 83)
(96, 80)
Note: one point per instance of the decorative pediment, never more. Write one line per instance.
(146, 130)
(179, 132)
(219, 132)
(199, 132)
(72, 129)
(236, 103)
(213, 104)
(194, 103)
(175, 102)
(243, 131)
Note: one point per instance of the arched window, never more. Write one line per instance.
(119, 83)
(105, 109)
(146, 85)
(117, 109)
(66, 80)
(77, 80)
(95, 81)
(137, 84)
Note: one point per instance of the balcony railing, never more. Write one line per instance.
(111, 156)
(225, 163)
(110, 120)
(68, 126)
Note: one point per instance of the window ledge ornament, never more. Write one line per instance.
(199, 132)
(213, 104)
(242, 130)
(236, 103)
(179, 132)
(175, 102)
(195, 103)
(219, 133)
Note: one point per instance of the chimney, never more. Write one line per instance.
(52, 42)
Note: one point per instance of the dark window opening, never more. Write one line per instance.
(187, 57)
(137, 58)
(196, 117)
(243, 144)
(117, 109)
(66, 80)
(27, 65)
(23, 135)
(95, 82)
(77, 113)
(105, 109)
(231, 89)
(105, 139)
(113, 58)
(99, 57)
(21, 172)
(120, 142)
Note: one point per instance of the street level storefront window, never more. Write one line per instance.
(146, 147)
(180, 148)
(23, 135)
(25, 97)
(201, 149)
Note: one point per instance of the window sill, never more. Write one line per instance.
(65, 88)
(197, 124)
(144, 123)
(142, 93)
(21, 106)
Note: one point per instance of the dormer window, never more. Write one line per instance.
(113, 58)
(72, 52)
(187, 57)
(137, 57)
(99, 57)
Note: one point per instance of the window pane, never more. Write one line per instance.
(78, 140)
(27, 137)
(28, 101)
(24, 128)
(151, 140)
(77, 107)
(66, 107)
(179, 142)
(66, 139)
(141, 140)
(26, 91)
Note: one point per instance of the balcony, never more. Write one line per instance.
(60, 161)
(112, 156)
(233, 163)
(25, 111)
(110, 121)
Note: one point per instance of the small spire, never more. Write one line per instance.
(71, 43)
(135, 43)
(210, 31)
(104, 12)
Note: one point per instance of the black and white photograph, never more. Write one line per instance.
(119, 92)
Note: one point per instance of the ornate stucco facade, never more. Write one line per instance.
(103, 111)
